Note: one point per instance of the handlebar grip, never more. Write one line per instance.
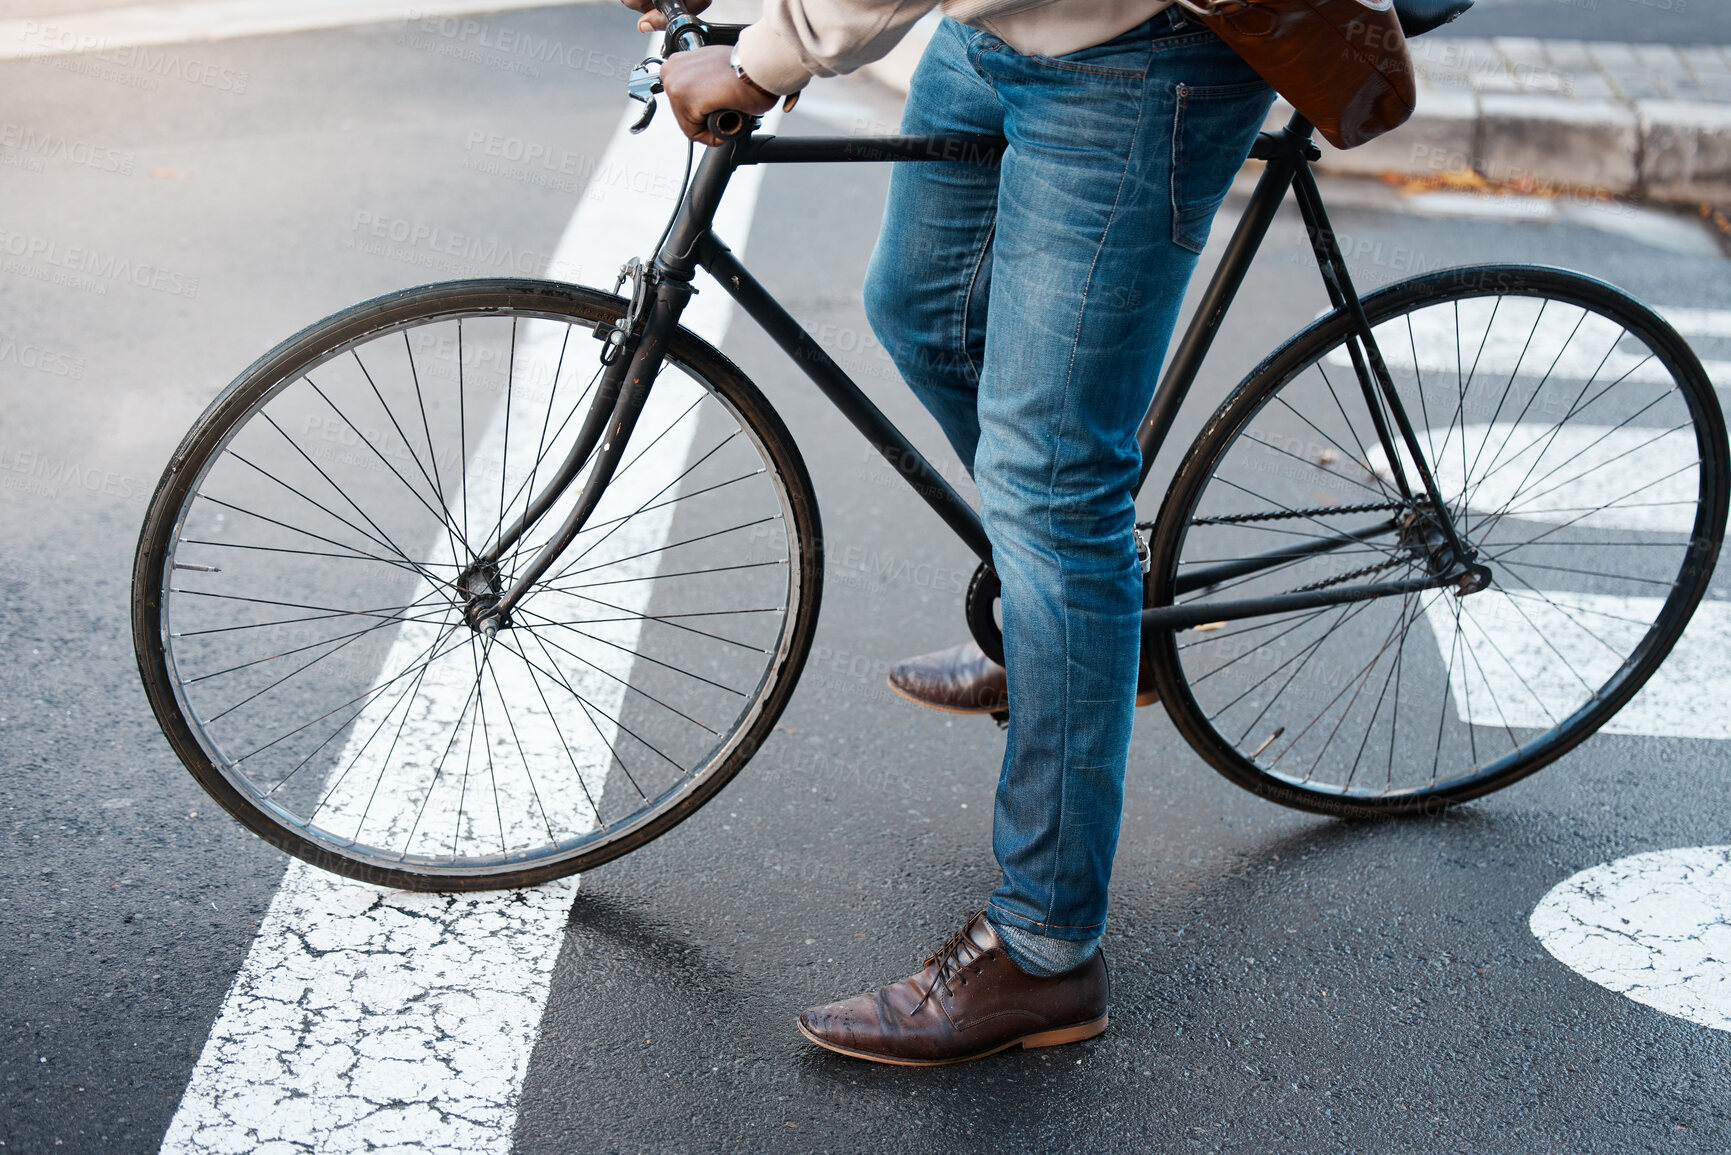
(728, 123)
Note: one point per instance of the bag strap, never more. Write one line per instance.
(1213, 7)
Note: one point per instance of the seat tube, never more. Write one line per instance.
(1204, 326)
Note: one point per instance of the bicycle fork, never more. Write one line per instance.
(620, 396)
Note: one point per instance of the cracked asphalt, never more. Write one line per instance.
(1282, 982)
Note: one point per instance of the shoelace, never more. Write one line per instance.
(950, 964)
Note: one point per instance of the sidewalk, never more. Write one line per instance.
(1635, 120)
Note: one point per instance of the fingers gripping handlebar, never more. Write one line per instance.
(684, 32)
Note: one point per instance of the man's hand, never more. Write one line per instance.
(653, 20)
(703, 81)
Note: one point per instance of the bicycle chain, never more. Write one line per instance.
(1352, 576)
(1291, 514)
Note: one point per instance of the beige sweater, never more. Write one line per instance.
(799, 39)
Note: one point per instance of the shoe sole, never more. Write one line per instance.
(1141, 700)
(1053, 1038)
(944, 709)
(1147, 699)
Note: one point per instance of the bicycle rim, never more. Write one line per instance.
(303, 628)
(1579, 450)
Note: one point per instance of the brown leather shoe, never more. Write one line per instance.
(967, 1002)
(962, 680)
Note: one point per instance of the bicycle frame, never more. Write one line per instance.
(692, 244)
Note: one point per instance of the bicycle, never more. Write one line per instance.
(483, 583)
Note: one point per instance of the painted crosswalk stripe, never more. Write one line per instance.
(1537, 338)
(143, 25)
(1545, 647)
(374, 1020)
(1591, 466)
(1712, 324)
(1654, 927)
(1538, 638)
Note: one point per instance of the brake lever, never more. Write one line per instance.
(644, 84)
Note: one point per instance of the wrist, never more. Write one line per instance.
(745, 77)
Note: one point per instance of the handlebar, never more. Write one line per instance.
(683, 30)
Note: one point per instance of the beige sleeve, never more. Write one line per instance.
(796, 40)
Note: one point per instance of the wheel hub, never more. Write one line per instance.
(481, 591)
(1421, 534)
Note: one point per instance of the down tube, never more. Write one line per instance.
(846, 396)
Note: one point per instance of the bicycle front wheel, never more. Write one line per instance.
(300, 588)
(1580, 451)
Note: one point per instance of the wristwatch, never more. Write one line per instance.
(787, 102)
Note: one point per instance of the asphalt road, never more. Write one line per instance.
(1282, 981)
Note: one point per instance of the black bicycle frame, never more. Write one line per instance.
(691, 244)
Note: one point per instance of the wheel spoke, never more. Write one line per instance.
(1556, 434)
(311, 624)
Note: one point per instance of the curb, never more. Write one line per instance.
(1647, 121)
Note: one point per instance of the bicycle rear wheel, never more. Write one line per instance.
(300, 624)
(1580, 450)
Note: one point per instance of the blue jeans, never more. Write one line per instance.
(1029, 306)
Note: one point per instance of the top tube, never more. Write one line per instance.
(962, 148)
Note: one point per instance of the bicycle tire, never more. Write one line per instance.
(366, 504)
(1598, 394)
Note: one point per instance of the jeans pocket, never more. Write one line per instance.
(1212, 130)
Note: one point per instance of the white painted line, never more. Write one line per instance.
(1655, 927)
(1710, 323)
(1543, 635)
(1557, 347)
(1593, 476)
(1499, 207)
(200, 20)
(1540, 652)
(372, 1020)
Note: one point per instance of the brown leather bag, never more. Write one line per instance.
(1342, 64)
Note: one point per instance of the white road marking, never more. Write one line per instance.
(1526, 643)
(372, 1020)
(1655, 927)
(200, 20)
(1496, 207)
(1593, 476)
(1529, 657)
(1537, 339)
(1691, 322)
